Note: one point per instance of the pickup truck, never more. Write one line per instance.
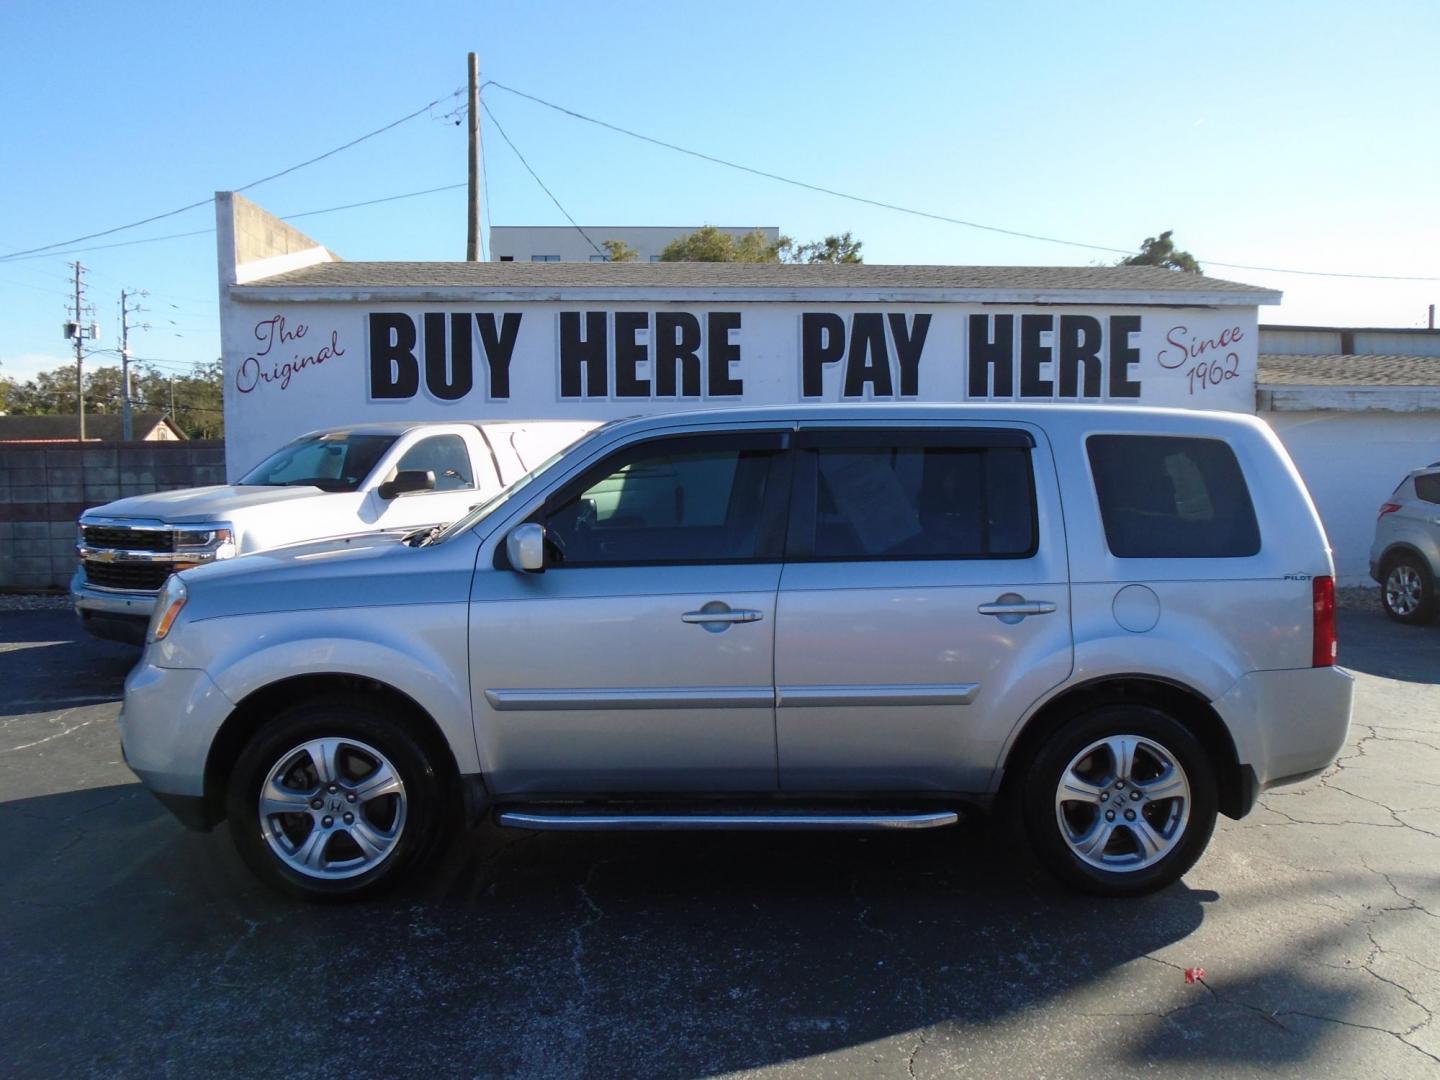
(335, 482)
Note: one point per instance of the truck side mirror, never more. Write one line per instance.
(525, 548)
(405, 482)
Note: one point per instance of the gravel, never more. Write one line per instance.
(34, 601)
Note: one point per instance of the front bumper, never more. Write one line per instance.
(1288, 725)
(167, 724)
(110, 614)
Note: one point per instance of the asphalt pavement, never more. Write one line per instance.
(130, 947)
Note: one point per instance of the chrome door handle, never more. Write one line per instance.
(730, 615)
(1017, 607)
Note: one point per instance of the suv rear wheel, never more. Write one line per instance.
(1407, 590)
(1119, 802)
(333, 799)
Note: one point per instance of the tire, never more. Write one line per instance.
(382, 779)
(1407, 590)
(1168, 825)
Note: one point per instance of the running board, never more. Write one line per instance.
(577, 822)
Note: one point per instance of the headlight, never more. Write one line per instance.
(218, 539)
(203, 544)
(168, 604)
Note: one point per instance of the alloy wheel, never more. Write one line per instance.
(332, 808)
(1122, 803)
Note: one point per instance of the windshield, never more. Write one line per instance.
(336, 461)
(490, 505)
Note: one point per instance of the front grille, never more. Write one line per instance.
(111, 536)
(136, 576)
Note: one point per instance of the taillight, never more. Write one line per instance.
(1323, 605)
(1387, 508)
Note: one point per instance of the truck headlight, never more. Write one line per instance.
(203, 544)
(168, 605)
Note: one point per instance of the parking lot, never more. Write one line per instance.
(130, 946)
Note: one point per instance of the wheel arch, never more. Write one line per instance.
(251, 713)
(1403, 547)
(1238, 785)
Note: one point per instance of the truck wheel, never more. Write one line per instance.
(1119, 802)
(1408, 591)
(334, 800)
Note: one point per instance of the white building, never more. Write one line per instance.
(1358, 409)
(565, 243)
(310, 340)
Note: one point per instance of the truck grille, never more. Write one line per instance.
(134, 576)
(111, 536)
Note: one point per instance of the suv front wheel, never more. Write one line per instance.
(333, 798)
(1119, 802)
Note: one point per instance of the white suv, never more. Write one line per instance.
(1405, 557)
(1114, 622)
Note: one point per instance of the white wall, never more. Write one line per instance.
(1351, 462)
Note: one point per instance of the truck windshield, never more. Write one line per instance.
(337, 461)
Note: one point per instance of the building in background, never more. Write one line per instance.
(565, 243)
(1358, 409)
(99, 427)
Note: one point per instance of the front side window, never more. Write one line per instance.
(689, 500)
(922, 502)
(445, 456)
(330, 462)
(1167, 497)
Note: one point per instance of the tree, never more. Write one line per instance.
(709, 244)
(619, 251)
(1161, 251)
(197, 395)
(833, 249)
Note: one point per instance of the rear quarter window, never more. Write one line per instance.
(1427, 486)
(1170, 497)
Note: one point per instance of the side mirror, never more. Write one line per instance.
(525, 548)
(405, 482)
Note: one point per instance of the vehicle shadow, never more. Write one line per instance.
(525, 954)
(51, 657)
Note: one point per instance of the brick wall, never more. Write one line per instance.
(43, 490)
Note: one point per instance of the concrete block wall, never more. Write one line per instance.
(45, 488)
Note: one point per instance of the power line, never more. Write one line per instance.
(536, 175)
(246, 187)
(206, 232)
(903, 209)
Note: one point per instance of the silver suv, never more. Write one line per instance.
(1405, 557)
(1112, 622)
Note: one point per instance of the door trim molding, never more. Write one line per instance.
(678, 697)
(802, 697)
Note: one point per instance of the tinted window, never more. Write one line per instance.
(913, 501)
(445, 456)
(1427, 486)
(683, 504)
(1166, 498)
(330, 462)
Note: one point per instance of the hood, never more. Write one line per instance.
(364, 570)
(216, 503)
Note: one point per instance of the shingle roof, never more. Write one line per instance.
(1332, 369)
(102, 427)
(806, 276)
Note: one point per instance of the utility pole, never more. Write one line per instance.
(127, 431)
(472, 235)
(76, 330)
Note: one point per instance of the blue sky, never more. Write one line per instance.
(1294, 135)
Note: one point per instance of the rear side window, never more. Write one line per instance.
(1427, 486)
(923, 502)
(1164, 497)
